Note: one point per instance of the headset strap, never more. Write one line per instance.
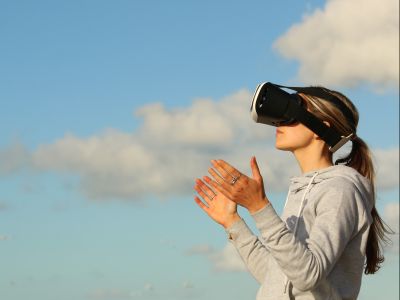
(325, 94)
(326, 133)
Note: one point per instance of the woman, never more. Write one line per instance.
(330, 230)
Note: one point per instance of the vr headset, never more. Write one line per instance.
(273, 106)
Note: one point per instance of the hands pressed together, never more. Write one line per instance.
(226, 188)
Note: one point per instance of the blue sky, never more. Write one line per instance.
(110, 110)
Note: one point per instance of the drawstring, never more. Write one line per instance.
(299, 213)
(287, 199)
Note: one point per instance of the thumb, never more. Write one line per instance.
(255, 170)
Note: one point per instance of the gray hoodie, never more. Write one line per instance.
(316, 249)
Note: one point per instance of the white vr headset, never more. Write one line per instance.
(272, 105)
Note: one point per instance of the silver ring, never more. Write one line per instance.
(234, 179)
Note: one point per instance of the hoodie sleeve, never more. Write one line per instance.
(306, 263)
(250, 248)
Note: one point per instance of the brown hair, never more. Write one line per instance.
(360, 159)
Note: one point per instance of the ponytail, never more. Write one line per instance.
(360, 159)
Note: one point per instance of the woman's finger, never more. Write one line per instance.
(255, 169)
(218, 187)
(202, 205)
(222, 183)
(204, 191)
(216, 176)
(230, 173)
(221, 171)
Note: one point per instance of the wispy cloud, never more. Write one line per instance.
(4, 237)
(170, 149)
(146, 292)
(345, 45)
(161, 158)
(184, 290)
(13, 158)
(225, 259)
(3, 206)
(387, 167)
(391, 217)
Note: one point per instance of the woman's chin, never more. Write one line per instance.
(282, 147)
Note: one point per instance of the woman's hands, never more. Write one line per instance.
(219, 208)
(229, 187)
(241, 189)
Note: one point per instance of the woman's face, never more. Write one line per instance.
(293, 137)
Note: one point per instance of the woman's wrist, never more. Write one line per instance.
(229, 222)
(258, 205)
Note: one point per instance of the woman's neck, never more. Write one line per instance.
(313, 159)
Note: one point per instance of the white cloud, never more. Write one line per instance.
(391, 217)
(183, 290)
(187, 285)
(4, 237)
(387, 167)
(206, 123)
(3, 206)
(346, 43)
(203, 249)
(225, 259)
(170, 149)
(146, 292)
(148, 287)
(13, 158)
(164, 156)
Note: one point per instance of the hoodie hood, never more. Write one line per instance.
(299, 183)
